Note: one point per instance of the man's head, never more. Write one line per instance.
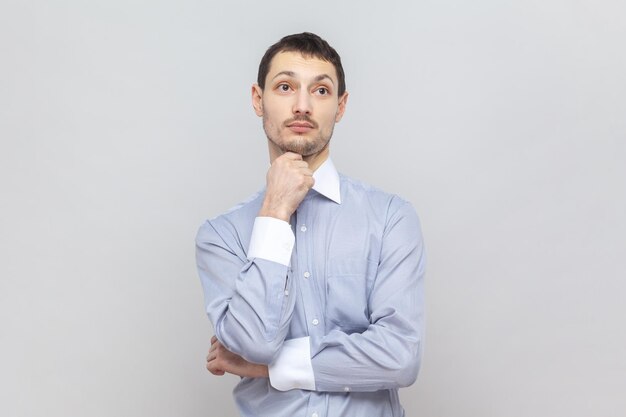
(301, 95)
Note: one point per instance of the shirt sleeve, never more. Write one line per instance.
(292, 367)
(249, 297)
(388, 353)
(272, 239)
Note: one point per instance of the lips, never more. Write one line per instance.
(300, 127)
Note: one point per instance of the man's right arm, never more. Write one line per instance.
(249, 297)
(248, 300)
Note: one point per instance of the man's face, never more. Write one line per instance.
(299, 104)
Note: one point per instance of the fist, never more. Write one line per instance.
(220, 361)
(289, 179)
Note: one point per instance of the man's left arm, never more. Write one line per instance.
(388, 353)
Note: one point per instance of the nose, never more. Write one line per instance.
(302, 104)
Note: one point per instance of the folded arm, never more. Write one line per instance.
(388, 353)
(249, 301)
(249, 297)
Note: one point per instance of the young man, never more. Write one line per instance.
(314, 285)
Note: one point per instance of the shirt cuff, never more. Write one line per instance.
(292, 369)
(272, 240)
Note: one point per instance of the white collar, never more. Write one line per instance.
(327, 181)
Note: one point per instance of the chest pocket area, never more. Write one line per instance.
(348, 286)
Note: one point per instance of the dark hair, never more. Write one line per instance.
(309, 45)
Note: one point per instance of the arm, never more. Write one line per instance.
(249, 298)
(387, 354)
(245, 298)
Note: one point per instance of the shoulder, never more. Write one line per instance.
(364, 195)
(235, 224)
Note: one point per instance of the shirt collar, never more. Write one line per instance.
(327, 181)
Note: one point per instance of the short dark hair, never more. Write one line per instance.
(309, 45)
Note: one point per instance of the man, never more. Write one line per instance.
(314, 285)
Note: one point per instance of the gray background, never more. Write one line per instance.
(124, 124)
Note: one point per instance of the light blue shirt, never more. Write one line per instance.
(333, 302)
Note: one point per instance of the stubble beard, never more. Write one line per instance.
(299, 144)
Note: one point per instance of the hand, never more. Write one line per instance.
(220, 360)
(289, 179)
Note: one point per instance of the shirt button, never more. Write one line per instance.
(307, 274)
(286, 292)
(303, 228)
(314, 415)
(315, 322)
(346, 389)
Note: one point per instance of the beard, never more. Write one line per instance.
(293, 142)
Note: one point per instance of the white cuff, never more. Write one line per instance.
(292, 369)
(272, 240)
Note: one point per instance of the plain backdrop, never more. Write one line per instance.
(125, 123)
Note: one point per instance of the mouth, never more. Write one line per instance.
(300, 127)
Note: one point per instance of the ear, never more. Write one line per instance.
(343, 100)
(257, 99)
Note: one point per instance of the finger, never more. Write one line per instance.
(214, 370)
(213, 366)
(300, 164)
(291, 155)
(213, 339)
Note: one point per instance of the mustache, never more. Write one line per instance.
(301, 118)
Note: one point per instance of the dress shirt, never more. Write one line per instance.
(332, 302)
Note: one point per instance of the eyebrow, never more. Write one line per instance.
(316, 79)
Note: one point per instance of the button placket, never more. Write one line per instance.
(308, 292)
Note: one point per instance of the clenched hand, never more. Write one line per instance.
(289, 179)
(220, 361)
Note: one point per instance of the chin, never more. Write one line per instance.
(300, 146)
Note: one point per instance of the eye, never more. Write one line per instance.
(284, 87)
(322, 91)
